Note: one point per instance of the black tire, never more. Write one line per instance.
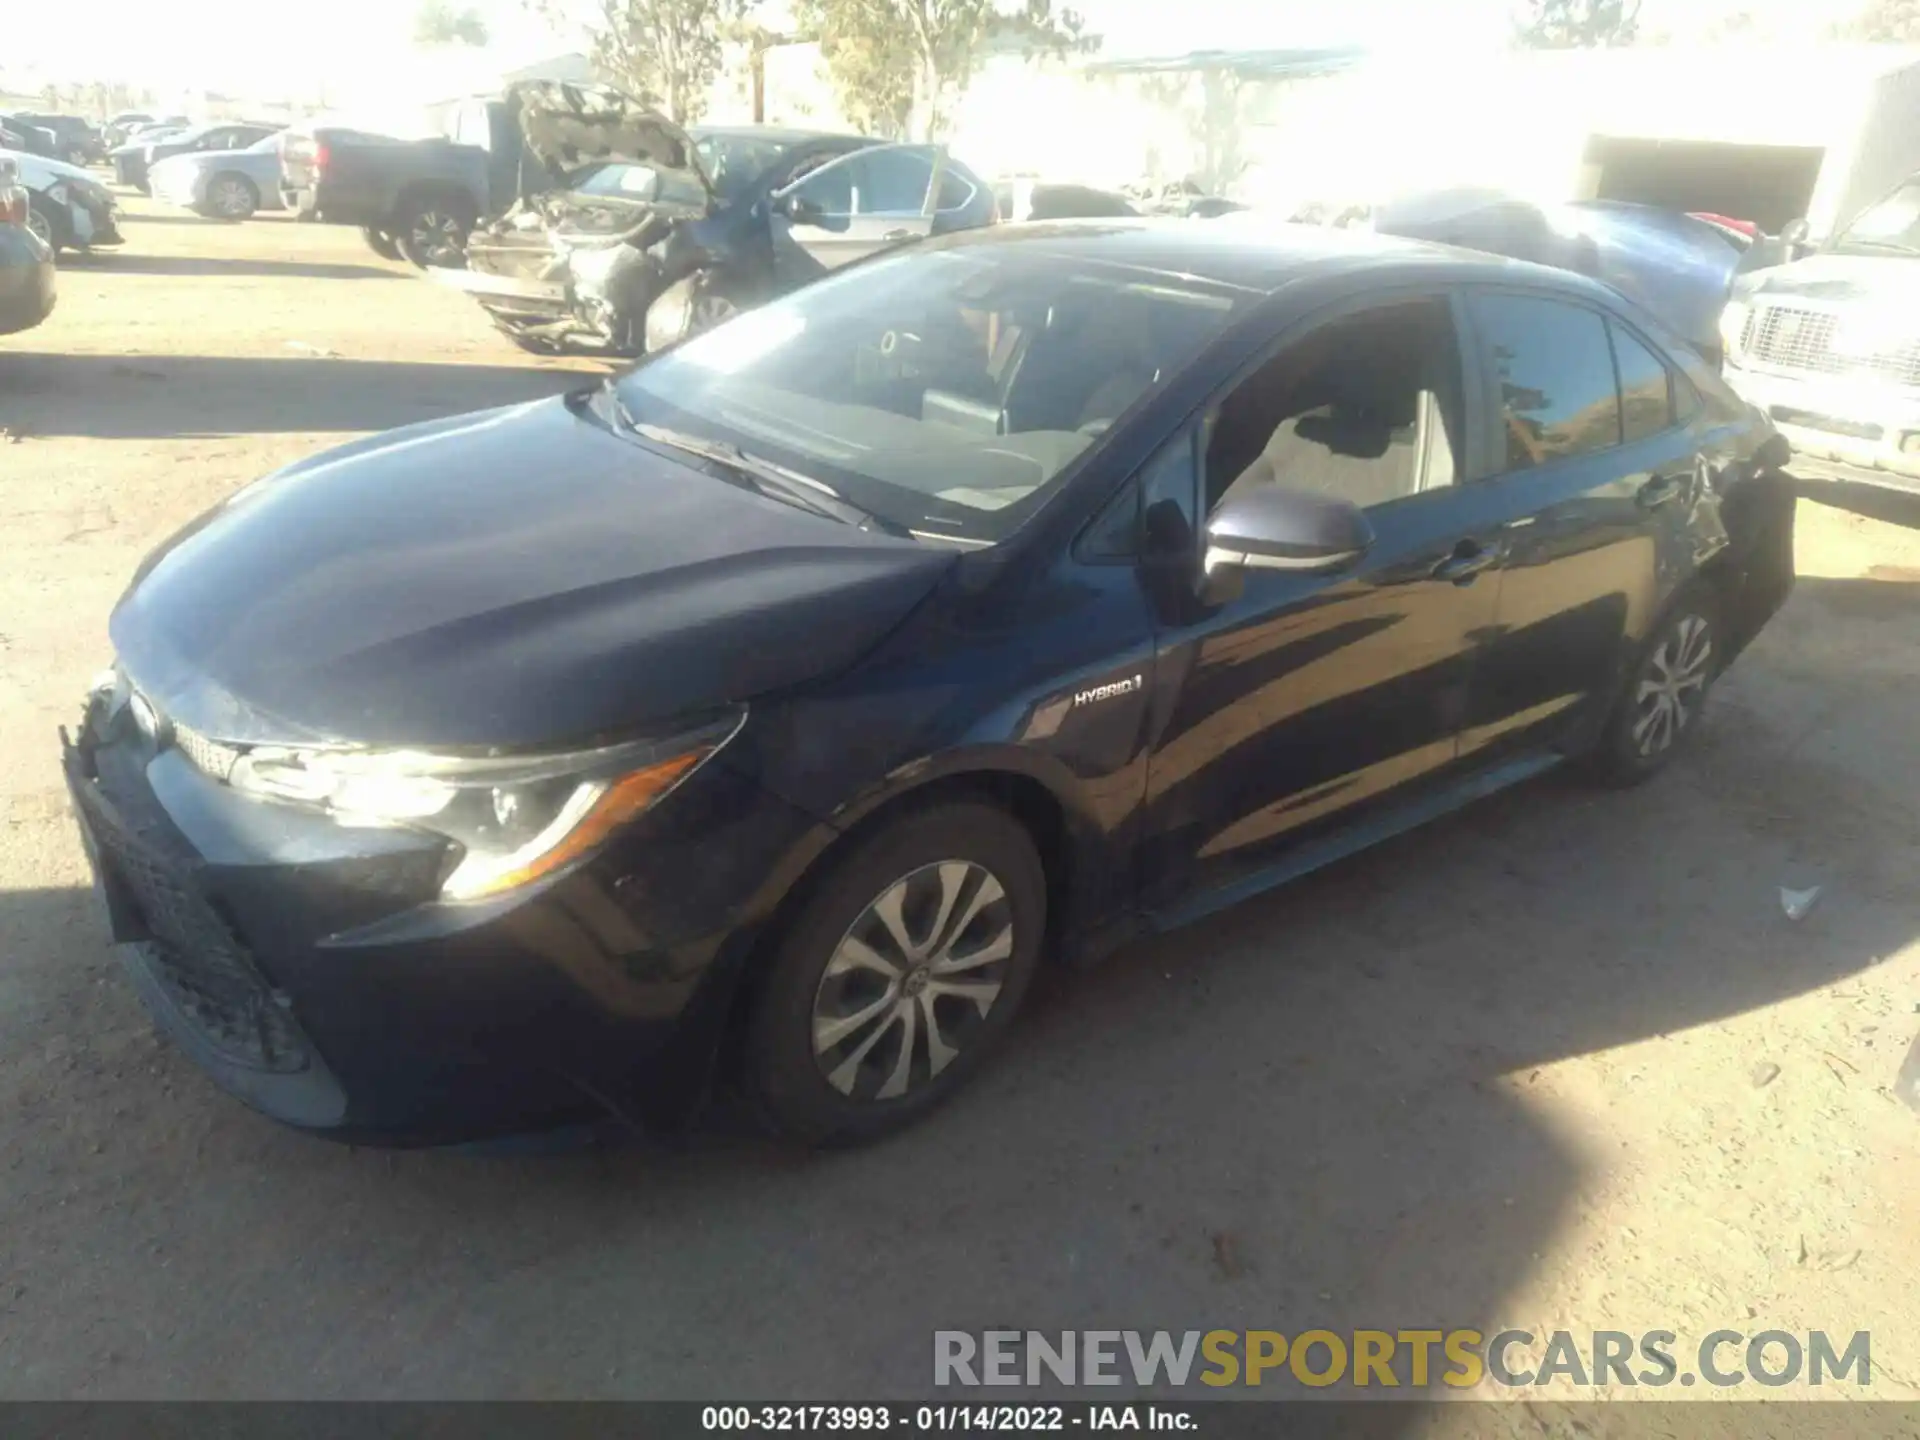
(811, 986)
(431, 231)
(49, 224)
(232, 196)
(380, 243)
(1683, 657)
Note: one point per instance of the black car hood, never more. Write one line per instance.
(513, 578)
(565, 126)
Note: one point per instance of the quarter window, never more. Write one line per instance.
(1646, 388)
(1553, 373)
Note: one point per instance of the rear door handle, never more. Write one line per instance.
(1468, 559)
(1661, 490)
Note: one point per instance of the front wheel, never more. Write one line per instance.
(1660, 707)
(899, 976)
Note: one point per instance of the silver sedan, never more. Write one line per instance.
(222, 184)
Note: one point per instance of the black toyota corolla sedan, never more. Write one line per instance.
(780, 706)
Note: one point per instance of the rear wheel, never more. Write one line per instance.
(380, 242)
(899, 976)
(232, 197)
(432, 232)
(1659, 710)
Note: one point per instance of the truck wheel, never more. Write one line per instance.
(432, 232)
(380, 243)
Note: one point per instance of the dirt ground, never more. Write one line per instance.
(1560, 1062)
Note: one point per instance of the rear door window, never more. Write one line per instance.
(1552, 370)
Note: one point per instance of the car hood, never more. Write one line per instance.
(565, 126)
(518, 577)
(1838, 278)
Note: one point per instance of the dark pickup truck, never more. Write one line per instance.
(416, 199)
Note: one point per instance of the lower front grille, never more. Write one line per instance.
(193, 952)
(1798, 339)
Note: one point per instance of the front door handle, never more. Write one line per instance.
(898, 235)
(1468, 559)
(1660, 490)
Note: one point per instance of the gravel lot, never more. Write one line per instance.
(1558, 1062)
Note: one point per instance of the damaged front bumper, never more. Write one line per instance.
(92, 220)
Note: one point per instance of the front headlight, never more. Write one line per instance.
(516, 818)
(1733, 326)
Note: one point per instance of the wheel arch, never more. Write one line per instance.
(414, 193)
(1047, 816)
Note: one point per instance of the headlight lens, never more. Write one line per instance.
(517, 818)
(1733, 325)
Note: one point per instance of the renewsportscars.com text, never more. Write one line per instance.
(1415, 1359)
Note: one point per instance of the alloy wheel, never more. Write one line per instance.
(437, 238)
(1672, 685)
(230, 199)
(911, 980)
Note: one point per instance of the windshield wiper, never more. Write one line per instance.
(769, 477)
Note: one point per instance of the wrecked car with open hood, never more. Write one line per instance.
(631, 233)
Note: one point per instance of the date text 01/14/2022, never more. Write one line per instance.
(944, 1418)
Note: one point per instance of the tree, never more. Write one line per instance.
(1897, 21)
(664, 52)
(1213, 102)
(1577, 24)
(439, 22)
(899, 64)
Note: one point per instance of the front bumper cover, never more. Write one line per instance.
(311, 970)
(1841, 427)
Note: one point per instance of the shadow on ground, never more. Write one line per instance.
(129, 217)
(173, 397)
(1310, 1111)
(1876, 502)
(225, 268)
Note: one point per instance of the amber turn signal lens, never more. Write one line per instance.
(620, 802)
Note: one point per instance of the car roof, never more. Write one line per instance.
(1253, 251)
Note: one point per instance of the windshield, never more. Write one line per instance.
(1893, 224)
(943, 391)
(732, 161)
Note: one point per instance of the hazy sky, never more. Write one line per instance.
(242, 44)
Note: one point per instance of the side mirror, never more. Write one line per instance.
(1272, 528)
(1795, 232)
